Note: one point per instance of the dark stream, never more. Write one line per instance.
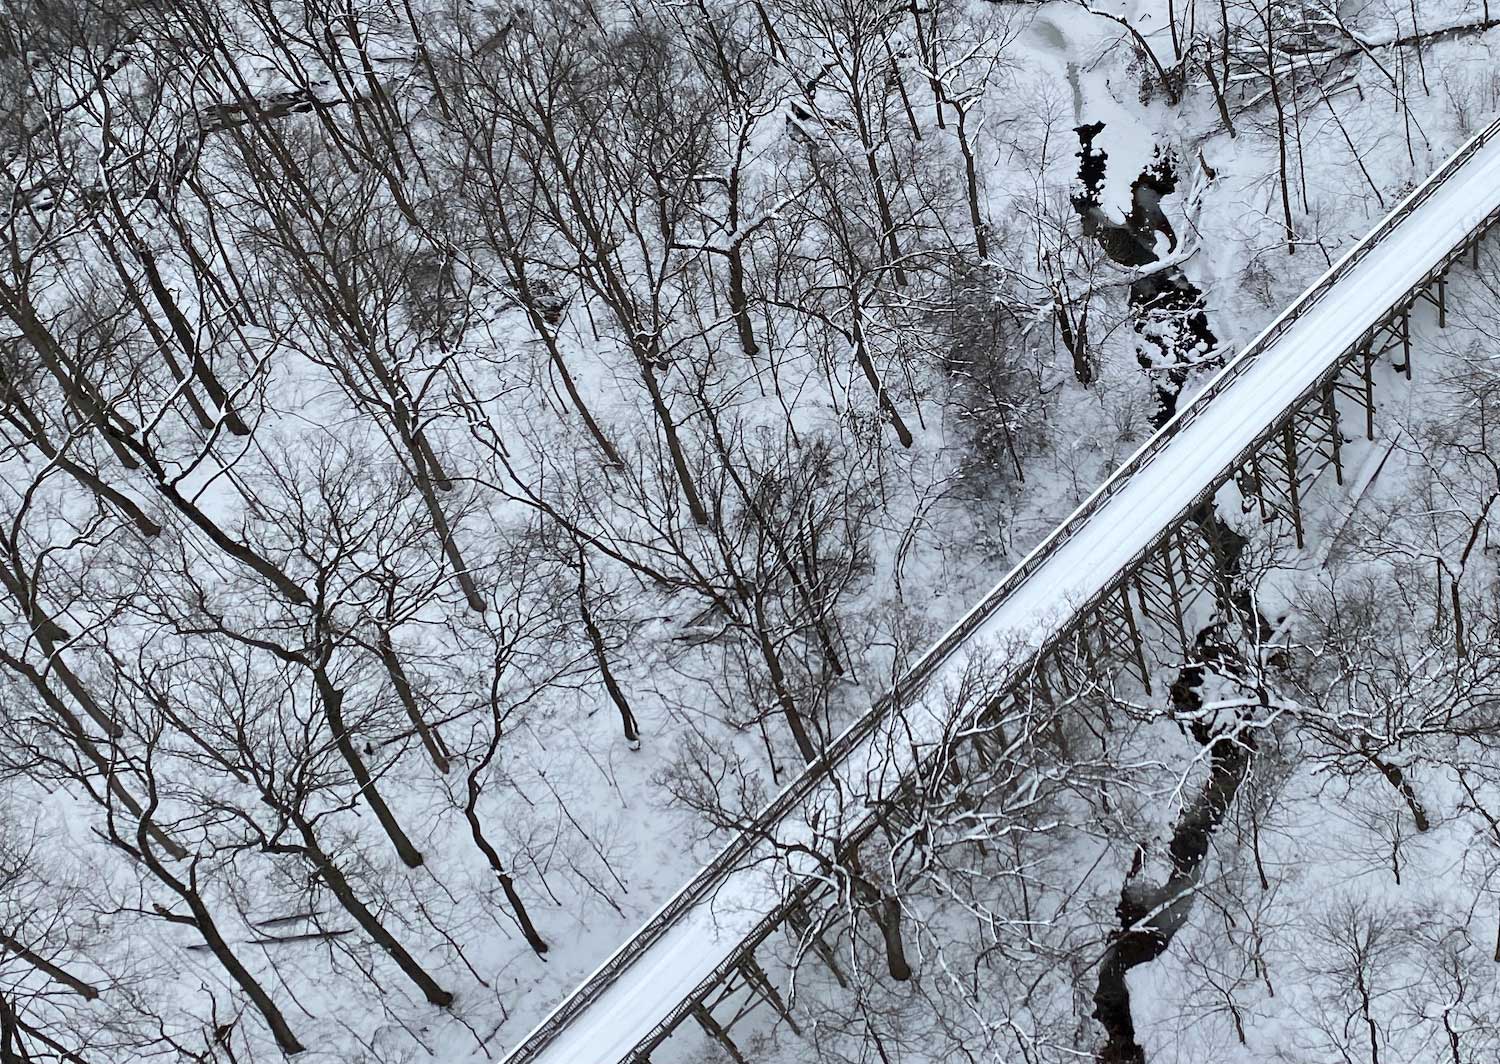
(1173, 338)
(1151, 914)
(1171, 319)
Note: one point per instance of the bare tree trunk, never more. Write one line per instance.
(105, 765)
(32, 427)
(330, 873)
(507, 885)
(739, 303)
(331, 699)
(601, 657)
(971, 182)
(47, 968)
(1219, 100)
(476, 830)
(789, 710)
(674, 444)
(862, 355)
(889, 917)
(1397, 779)
(432, 741)
(515, 266)
(929, 61)
(877, 182)
(1281, 155)
(783, 549)
(886, 909)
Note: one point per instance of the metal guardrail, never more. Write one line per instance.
(915, 678)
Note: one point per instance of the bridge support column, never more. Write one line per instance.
(1406, 342)
(1258, 486)
(1043, 689)
(1149, 608)
(1442, 300)
(1135, 638)
(1182, 556)
(1335, 434)
(1089, 658)
(1174, 596)
(760, 982)
(717, 1033)
(1289, 445)
(1074, 661)
(1369, 377)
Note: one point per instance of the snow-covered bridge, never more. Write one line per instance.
(1129, 557)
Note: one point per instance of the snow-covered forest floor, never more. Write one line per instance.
(459, 458)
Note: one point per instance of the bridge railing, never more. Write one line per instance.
(915, 678)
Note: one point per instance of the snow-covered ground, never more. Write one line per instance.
(595, 834)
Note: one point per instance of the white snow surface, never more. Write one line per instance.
(1195, 458)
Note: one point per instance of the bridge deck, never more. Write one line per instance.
(704, 927)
